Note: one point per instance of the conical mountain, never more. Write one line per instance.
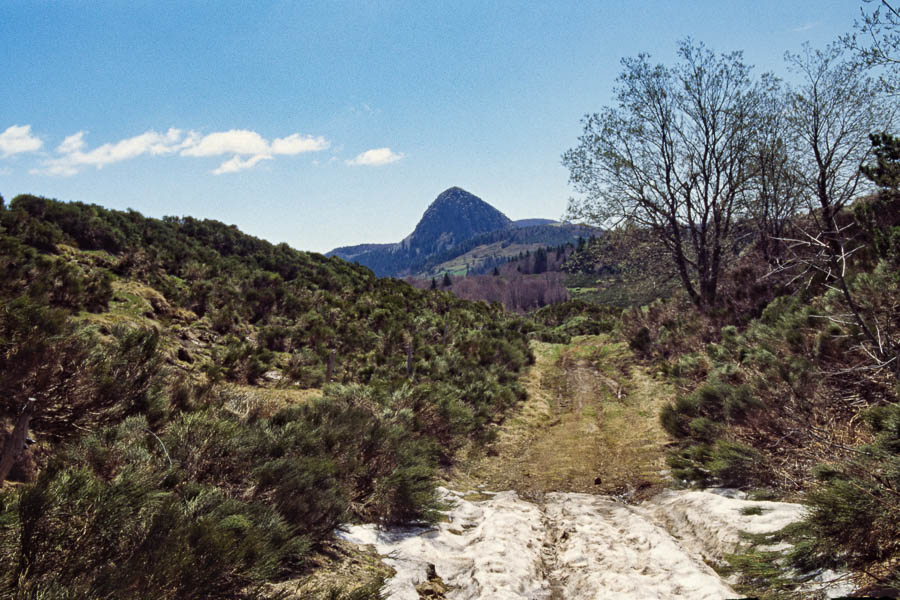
(454, 216)
(455, 223)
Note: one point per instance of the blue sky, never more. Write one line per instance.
(328, 123)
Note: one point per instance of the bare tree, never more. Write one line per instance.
(876, 42)
(774, 196)
(672, 156)
(833, 111)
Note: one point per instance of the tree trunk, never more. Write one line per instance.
(329, 374)
(15, 442)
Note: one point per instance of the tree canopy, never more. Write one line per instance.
(671, 156)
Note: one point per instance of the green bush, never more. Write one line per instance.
(675, 418)
(155, 438)
(691, 366)
(704, 430)
(127, 538)
(641, 342)
(852, 522)
(741, 402)
(689, 464)
(737, 465)
(711, 397)
(305, 492)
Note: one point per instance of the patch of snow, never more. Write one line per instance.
(606, 549)
(487, 549)
(710, 523)
(579, 546)
(727, 493)
(835, 585)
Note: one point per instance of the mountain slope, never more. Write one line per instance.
(533, 222)
(352, 253)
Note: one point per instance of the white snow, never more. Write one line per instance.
(709, 523)
(574, 546)
(580, 546)
(605, 549)
(488, 549)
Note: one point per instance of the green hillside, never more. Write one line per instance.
(208, 406)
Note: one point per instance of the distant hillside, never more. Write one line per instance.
(532, 222)
(351, 253)
(458, 232)
(482, 253)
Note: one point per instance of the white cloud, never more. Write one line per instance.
(376, 157)
(297, 144)
(72, 143)
(243, 142)
(239, 164)
(235, 141)
(17, 139)
(56, 168)
(74, 156)
(247, 147)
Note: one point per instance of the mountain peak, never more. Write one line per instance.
(458, 195)
(455, 223)
(454, 216)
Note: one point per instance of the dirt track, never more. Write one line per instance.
(589, 425)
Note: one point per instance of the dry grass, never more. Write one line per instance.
(336, 564)
(590, 424)
(243, 400)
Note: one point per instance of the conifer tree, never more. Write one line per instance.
(540, 261)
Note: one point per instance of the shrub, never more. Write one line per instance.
(305, 491)
(852, 520)
(689, 463)
(736, 464)
(704, 430)
(408, 493)
(641, 342)
(740, 402)
(690, 365)
(126, 538)
(675, 418)
(711, 397)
